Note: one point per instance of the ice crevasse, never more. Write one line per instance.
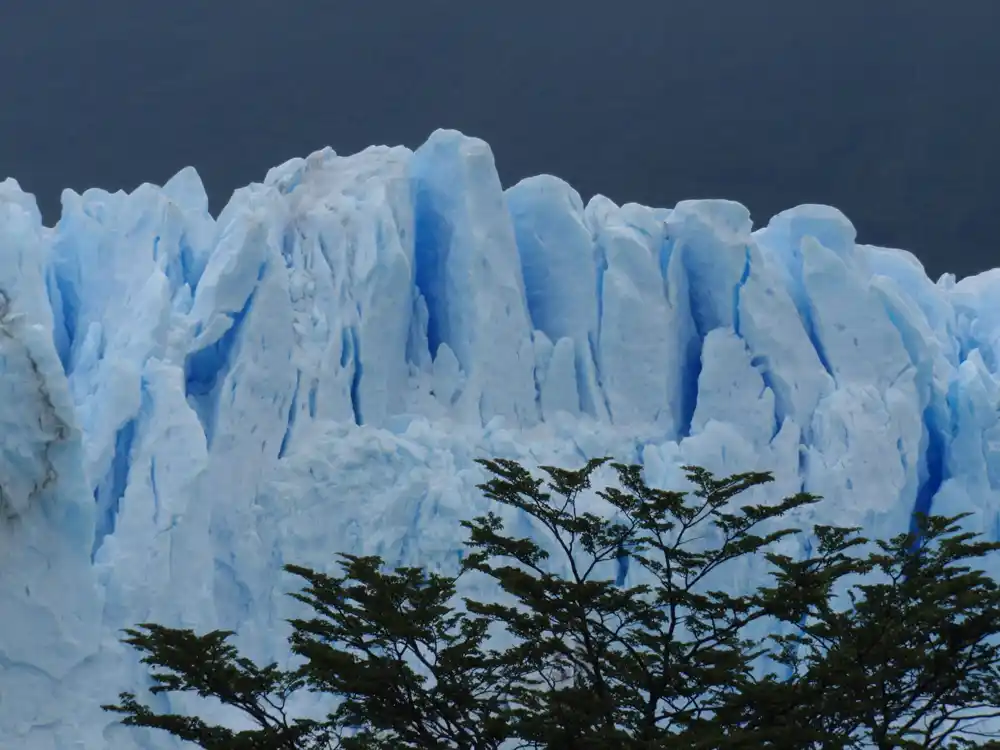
(187, 402)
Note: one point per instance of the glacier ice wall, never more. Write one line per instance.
(186, 403)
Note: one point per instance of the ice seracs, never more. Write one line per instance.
(189, 402)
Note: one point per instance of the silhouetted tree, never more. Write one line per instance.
(592, 663)
(913, 662)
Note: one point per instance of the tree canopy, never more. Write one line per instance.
(907, 659)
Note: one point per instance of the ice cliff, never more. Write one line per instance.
(186, 403)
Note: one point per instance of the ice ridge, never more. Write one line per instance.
(189, 402)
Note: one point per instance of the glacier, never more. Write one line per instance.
(187, 402)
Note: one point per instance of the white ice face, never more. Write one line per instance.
(187, 403)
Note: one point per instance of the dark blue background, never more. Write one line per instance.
(888, 109)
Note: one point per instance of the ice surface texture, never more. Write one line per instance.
(186, 403)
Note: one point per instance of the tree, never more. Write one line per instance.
(594, 663)
(914, 662)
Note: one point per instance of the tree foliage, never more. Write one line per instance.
(588, 662)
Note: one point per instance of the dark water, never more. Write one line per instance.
(888, 109)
